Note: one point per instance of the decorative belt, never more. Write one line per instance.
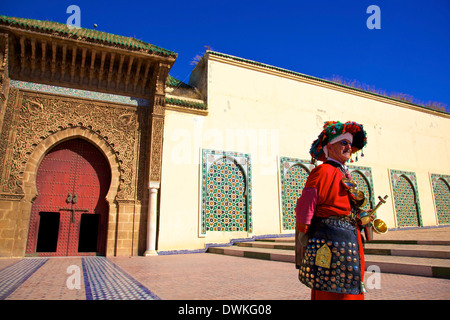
(347, 222)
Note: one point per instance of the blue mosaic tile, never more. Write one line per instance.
(104, 280)
(79, 93)
(13, 276)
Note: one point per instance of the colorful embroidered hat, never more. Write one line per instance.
(333, 129)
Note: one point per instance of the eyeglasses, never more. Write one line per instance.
(345, 143)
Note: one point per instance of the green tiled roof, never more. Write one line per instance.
(181, 101)
(174, 82)
(85, 34)
(186, 103)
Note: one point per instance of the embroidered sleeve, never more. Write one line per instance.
(306, 206)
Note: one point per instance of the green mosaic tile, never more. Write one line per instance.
(79, 93)
(441, 191)
(363, 178)
(226, 191)
(293, 173)
(406, 198)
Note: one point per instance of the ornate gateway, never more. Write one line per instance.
(58, 84)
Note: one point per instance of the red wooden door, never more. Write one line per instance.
(69, 215)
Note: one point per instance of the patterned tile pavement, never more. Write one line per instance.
(209, 277)
(106, 281)
(56, 279)
(49, 282)
(13, 276)
(200, 276)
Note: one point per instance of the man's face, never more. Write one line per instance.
(340, 151)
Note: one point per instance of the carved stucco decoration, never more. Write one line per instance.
(39, 115)
(157, 122)
(156, 148)
(4, 74)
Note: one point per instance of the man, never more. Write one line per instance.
(329, 252)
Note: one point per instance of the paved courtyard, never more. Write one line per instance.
(197, 276)
(201, 276)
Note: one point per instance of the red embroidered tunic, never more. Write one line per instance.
(324, 196)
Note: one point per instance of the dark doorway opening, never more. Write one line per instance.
(88, 233)
(48, 232)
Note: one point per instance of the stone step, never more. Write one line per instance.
(283, 245)
(391, 249)
(422, 242)
(421, 266)
(256, 253)
(387, 241)
(417, 266)
(410, 250)
(281, 239)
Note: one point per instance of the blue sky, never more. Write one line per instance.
(410, 54)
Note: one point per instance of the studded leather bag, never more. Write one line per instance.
(331, 259)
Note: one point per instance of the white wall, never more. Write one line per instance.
(274, 114)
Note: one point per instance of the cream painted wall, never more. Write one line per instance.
(268, 114)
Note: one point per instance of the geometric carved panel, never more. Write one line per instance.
(37, 116)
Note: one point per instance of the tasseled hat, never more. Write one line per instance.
(333, 129)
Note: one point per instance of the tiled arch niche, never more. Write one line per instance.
(226, 192)
(406, 198)
(441, 193)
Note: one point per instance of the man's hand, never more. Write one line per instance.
(301, 240)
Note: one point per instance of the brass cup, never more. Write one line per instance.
(379, 226)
